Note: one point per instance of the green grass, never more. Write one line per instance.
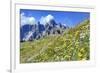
(72, 45)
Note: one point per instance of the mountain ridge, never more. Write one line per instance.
(36, 31)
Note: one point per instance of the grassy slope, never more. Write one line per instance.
(72, 45)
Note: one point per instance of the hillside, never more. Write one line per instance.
(71, 45)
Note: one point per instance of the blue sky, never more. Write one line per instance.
(65, 17)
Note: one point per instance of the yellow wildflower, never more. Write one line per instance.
(82, 49)
(79, 54)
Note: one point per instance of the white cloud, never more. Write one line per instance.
(46, 19)
(42, 20)
(27, 20)
(49, 17)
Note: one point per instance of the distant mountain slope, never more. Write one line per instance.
(72, 45)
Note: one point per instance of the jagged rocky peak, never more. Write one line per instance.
(37, 31)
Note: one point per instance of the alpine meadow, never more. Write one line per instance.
(54, 36)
